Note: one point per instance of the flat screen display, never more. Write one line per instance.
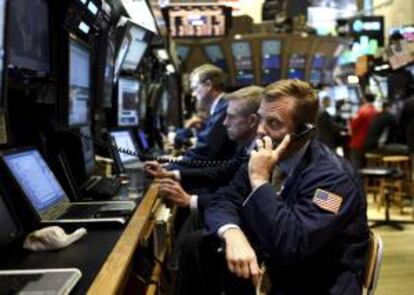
(120, 57)
(297, 61)
(197, 20)
(215, 54)
(270, 61)
(183, 51)
(136, 49)
(128, 94)
(29, 34)
(79, 84)
(318, 61)
(88, 150)
(124, 141)
(315, 76)
(296, 74)
(35, 178)
(242, 56)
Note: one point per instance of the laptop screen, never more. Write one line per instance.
(124, 141)
(35, 178)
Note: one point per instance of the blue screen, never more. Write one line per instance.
(296, 74)
(143, 139)
(318, 61)
(35, 178)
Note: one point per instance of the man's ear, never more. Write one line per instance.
(253, 120)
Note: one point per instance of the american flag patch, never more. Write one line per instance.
(327, 201)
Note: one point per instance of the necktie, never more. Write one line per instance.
(277, 178)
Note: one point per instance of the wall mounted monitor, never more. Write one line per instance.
(315, 76)
(120, 57)
(128, 94)
(318, 61)
(109, 74)
(215, 55)
(79, 84)
(182, 51)
(242, 56)
(29, 35)
(296, 74)
(270, 61)
(197, 20)
(138, 46)
(297, 61)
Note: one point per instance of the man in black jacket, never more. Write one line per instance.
(240, 123)
(309, 228)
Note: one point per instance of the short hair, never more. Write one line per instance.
(208, 72)
(251, 95)
(306, 104)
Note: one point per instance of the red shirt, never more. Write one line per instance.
(360, 124)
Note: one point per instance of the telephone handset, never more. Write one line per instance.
(304, 132)
(145, 157)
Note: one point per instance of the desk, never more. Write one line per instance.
(104, 255)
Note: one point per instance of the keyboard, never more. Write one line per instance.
(80, 211)
(12, 284)
(103, 187)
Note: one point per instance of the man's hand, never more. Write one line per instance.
(241, 258)
(264, 159)
(154, 169)
(172, 190)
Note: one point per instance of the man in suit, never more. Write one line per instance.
(309, 228)
(213, 142)
(240, 123)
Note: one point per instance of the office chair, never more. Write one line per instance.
(373, 264)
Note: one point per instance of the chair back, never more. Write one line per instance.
(373, 263)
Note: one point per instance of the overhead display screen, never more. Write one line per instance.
(270, 61)
(242, 56)
(215, 54)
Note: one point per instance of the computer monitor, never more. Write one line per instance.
(120, 56)
(296, 74)
(318, 61)
(35, 178)
(88, 150)
(242, 56)
(29, 34)
(297, 61)
(143, 140)
(182, 51)
(215, 54)
(315, 76)
(137, 47)
(109, 74)
(197, 20)
(79, 84)
(128, 100)
(126, 147)
(270, 61)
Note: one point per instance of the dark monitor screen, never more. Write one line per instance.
(297, 61)
(183, 51)
(29, 34)
(128, 100)
(197, 20)
(136, 49)
(88, 150)
(215, 54)
(79, 84)
(10, 229)
(296, 74)
(35, 178)
(318, 61)
(109, 74)
(315, 76)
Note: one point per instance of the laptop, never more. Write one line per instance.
(127, 150)
(48, 200)
(30, 281)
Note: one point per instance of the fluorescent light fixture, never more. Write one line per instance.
(84, 27)
(92, 8)
(170, 69)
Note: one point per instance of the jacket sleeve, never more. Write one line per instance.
(292, 232)
(224, 208)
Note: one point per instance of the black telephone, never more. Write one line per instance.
(145, 157)
(304, 131)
